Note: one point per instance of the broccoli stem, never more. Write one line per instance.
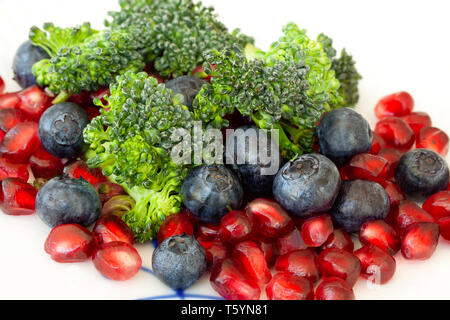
(61, 97)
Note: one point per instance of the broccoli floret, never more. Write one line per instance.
(135, 148)
(82, 58)
(174, 34)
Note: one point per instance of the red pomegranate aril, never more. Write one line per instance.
(20, 143)
(380, 234)
(17, 197)
(377, 265)
(70, 243)
(92, 112)
(207, 230)
(100, 94)
(396, 133)
(231, 284)
(438, 205)
(339, 263)
(269, 248)
(107, 190)
(11, 170)
(433, 139)
(112, 228)
(417, 121)
(367, 166)
(290, 242)
(394, 192)
(235, 227)
(250, 260)
(409, 213)
(392, 156)
(79, 169)
(269, 218)
(316, 230)
(2, 85)
(378, 144)
(343, 172)
(339, 239)
(333, 288)
(444, 228)
(44, 165)
(2, 135)
(420, 241)
(9, 118)
(394, 105)
(175, 225)
(117, 261)
(34, 102)
(216, 250)
(287, 286)
(9, 100)
(302, 263)
(82, 98)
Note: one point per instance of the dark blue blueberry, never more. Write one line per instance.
(26, 56)
(61, 130)
(188, 86)
(343, 133)
(421, 173)
(209, 191)
(179, 261)
(359, 201)
(64, 200)
(307, 185)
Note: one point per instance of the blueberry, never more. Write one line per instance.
(359, 201)
(26, 56)
(188, 86)
(179, 261)
(61, 130)
(421, 173)
(209, 191)
(64, 200)
(343, 133)
(307, 185)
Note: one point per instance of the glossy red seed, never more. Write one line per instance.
(70, 243)
(79, 169)
(107, 190)
(117, 261)
(438, 205)
(216, 250)
(302, 263)
(316, 230)
(343, 172)
(176, 224)
(420, 240)
(34, 102)
(112, 228)
(394, 192)
(92, 112)
(409, 213)
(333, 288)
(44, 165)
(2, 85)
(380, 234)
(378, 144)
(368, 167)
(17, 197)
(207, 230)
(339, 263)
(269, 248)
(231, 284)
(290, 242)
(10, 170)
(392, 156)
(9, 100)
(82, 99)
(235, 227)
(20, 143)
(287, 286)
(339, 239)
(250, 260)
(396, 133)
(269, 218)
(433, 139)
(417, 121)
(376, 265)
(394, 105)
(100, 94)
(9, 118)
(444, 227)
(2, 135)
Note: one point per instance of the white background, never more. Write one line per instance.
(398, 45)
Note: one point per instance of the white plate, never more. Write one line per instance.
(398, 45)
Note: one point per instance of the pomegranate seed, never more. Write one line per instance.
(367, 166)
(287, 286)
(100, 94)
(112, 228)
(302, 263)
(20, 143)
(396, 133)
(81, 99)
(339, 263)
(433, 139)
(394, 105)
(333, 288)
(9, 118)
(208, 231)
(438, 205)
(231, 284)
(17, 197)
(235, 227)
(417, 121)
(343, 171)
(9, 101)
(107, 190)
(392, 156)
(175, 225)
(394, 192)
(2, 85)
(420, 240)
(376, 265)
(339, 239)
(79, 169)
(381, 235)
(9, 170)
(2, 135)
(249, 258)
(216, 250)
(409, 213)
(316, 230)
(269, 218)
(117, 260)
(70, 243)
(378, 144)
(34, 102)
(444, 227)
(93, 112)
(45, 165)
(290, 242)
(269, 249)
